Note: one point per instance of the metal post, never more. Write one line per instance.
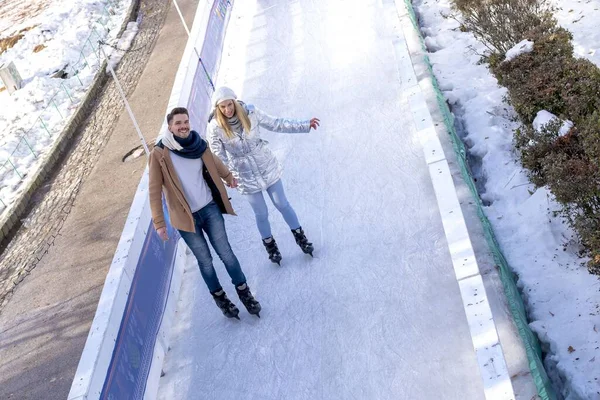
(129, 111)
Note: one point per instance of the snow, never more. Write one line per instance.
(544, 117)
(116, 53)
(561, 296)
(16, 14)
(581, 19)
(65, 35)
(524, 46)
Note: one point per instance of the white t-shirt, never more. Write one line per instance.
(196, 190)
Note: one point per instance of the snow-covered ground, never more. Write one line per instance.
(562, 297)
(16, 14)
(581, 18)
(62, 39)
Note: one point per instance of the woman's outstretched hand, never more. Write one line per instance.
(314, 123)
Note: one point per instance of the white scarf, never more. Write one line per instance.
(169, 141)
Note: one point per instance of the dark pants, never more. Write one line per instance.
(210, 220)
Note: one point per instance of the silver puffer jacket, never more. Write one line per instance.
(247, 155)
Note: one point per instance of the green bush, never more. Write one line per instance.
(581, 89)
(538, 147)
(534, 80)
(501, 24)
(548, 78)
(590, 133)
(567, 166)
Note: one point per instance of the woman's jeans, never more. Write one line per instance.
(261, 212)
(210, 220)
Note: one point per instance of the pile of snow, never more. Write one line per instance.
(562, 297)
(56, 77)
(544, 117)
(115, 53)
(524, 46)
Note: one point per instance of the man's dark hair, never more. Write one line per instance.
(176, 111)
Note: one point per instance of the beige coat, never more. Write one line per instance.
(163, 178)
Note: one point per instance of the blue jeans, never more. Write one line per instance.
(210, 220)
(261, 212)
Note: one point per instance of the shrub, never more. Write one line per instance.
(566, 165)
(590, 134)
(547, 78)
(534, 80)
(501, 24)
(581, 89)
(586, 226)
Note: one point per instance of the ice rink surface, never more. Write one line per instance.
(377, 313)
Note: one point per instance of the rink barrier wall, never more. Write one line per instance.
(508, 277)
(129, 336)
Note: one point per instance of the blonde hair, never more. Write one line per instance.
(224, 123)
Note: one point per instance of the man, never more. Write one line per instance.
(182, 166)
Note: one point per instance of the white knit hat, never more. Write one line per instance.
(221, 94)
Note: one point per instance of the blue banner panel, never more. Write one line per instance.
(132, 357)
(199, 105)
(215, 35)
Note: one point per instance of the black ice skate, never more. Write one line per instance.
(273, 250)
(227, 307)
(302, 241)
(249, 301)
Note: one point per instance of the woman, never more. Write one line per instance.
(234, 136)
(183, 168)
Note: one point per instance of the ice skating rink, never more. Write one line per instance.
(377, 313)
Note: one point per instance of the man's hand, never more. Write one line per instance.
(162, 232)
(232, 183)
(314, 123)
